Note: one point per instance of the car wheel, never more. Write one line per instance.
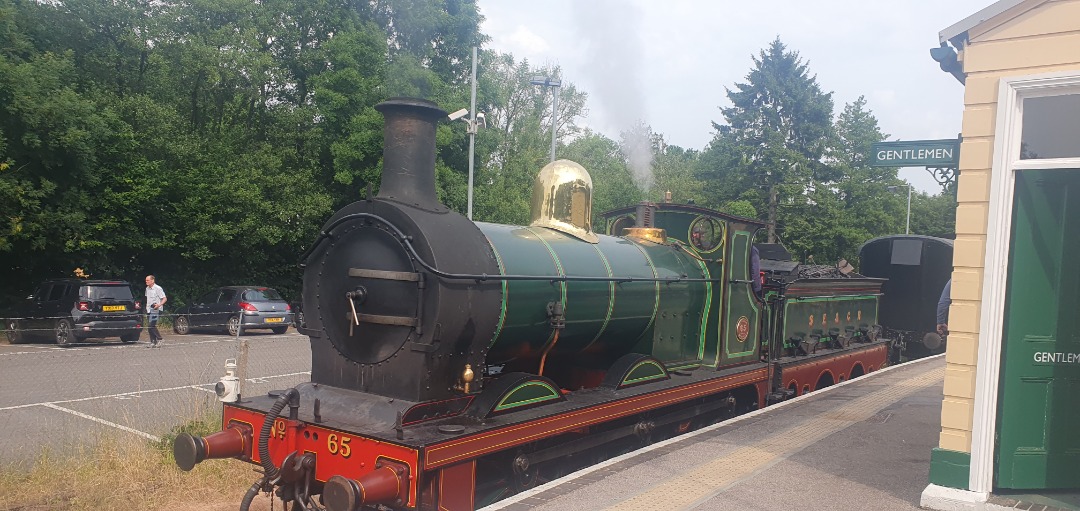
(279, 329)
(64, 335)
(181, 325)
(234, 326)
(130, 337)
(14, 333)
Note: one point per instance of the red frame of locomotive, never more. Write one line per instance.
(442, 475)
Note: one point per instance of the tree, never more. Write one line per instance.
(934, 215)
(517, 141)
(868, 206)
(777, 130)
(205, 141)
(613, 185)
(674, 171)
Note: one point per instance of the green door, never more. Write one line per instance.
(1039, 414)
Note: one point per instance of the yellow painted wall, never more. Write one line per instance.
(1037, 36)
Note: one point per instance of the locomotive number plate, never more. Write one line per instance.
(274, 320)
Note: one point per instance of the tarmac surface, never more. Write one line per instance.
(862, 444)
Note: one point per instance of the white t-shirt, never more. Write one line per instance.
(154, 295)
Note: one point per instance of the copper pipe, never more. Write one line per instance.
(548, 350)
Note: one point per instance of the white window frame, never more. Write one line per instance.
(1011, 93)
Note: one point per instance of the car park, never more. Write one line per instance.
(75, 310)
(234, 309)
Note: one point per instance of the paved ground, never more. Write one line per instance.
(60, 398)
(860, 445)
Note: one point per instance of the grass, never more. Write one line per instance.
(124, 473)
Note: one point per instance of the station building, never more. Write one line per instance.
(1010, 415)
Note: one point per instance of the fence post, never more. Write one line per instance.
(241, 369)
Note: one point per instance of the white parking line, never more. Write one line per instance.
(200, 387)
(40, 349)
(140, 392)
(166, 343)
(127, 395)
(18, 353)
(147, 436)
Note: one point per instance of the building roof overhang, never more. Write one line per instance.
(956, 34)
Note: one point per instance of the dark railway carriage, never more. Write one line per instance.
(455, 363)
(917, 268)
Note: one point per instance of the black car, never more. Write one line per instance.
(227, 308)
(72, 310)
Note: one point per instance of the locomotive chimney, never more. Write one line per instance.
(644, 216)
(408, 173)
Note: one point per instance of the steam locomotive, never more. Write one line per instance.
(455, 362)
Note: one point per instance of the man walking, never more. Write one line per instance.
(155, 304)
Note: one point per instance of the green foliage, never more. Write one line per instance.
(206, 141)
(781, 158)
(741, 208)
(673, 171)
(934, 215)
(203, 141)
(613, 185)
(777, 131)
(517, 141)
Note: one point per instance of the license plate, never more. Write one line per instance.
(274, 320)
(110, 308)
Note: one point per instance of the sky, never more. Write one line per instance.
(667, 62)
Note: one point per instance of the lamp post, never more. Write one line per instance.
(907, 227)
(474, 121)
(472, 131)
(554, 83)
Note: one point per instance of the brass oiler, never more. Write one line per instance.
(653, 234)
(467, 377)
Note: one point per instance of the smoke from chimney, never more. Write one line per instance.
(609, 31)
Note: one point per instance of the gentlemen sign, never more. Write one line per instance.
(916, 153)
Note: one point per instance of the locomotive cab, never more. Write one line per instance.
(721, 245)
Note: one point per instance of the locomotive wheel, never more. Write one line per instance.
(525, 476)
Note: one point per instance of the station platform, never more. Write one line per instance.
(862, 444)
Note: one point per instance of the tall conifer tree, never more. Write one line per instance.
(778, 126)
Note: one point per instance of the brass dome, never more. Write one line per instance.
(562, 200)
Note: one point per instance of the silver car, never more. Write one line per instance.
(236, 309)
